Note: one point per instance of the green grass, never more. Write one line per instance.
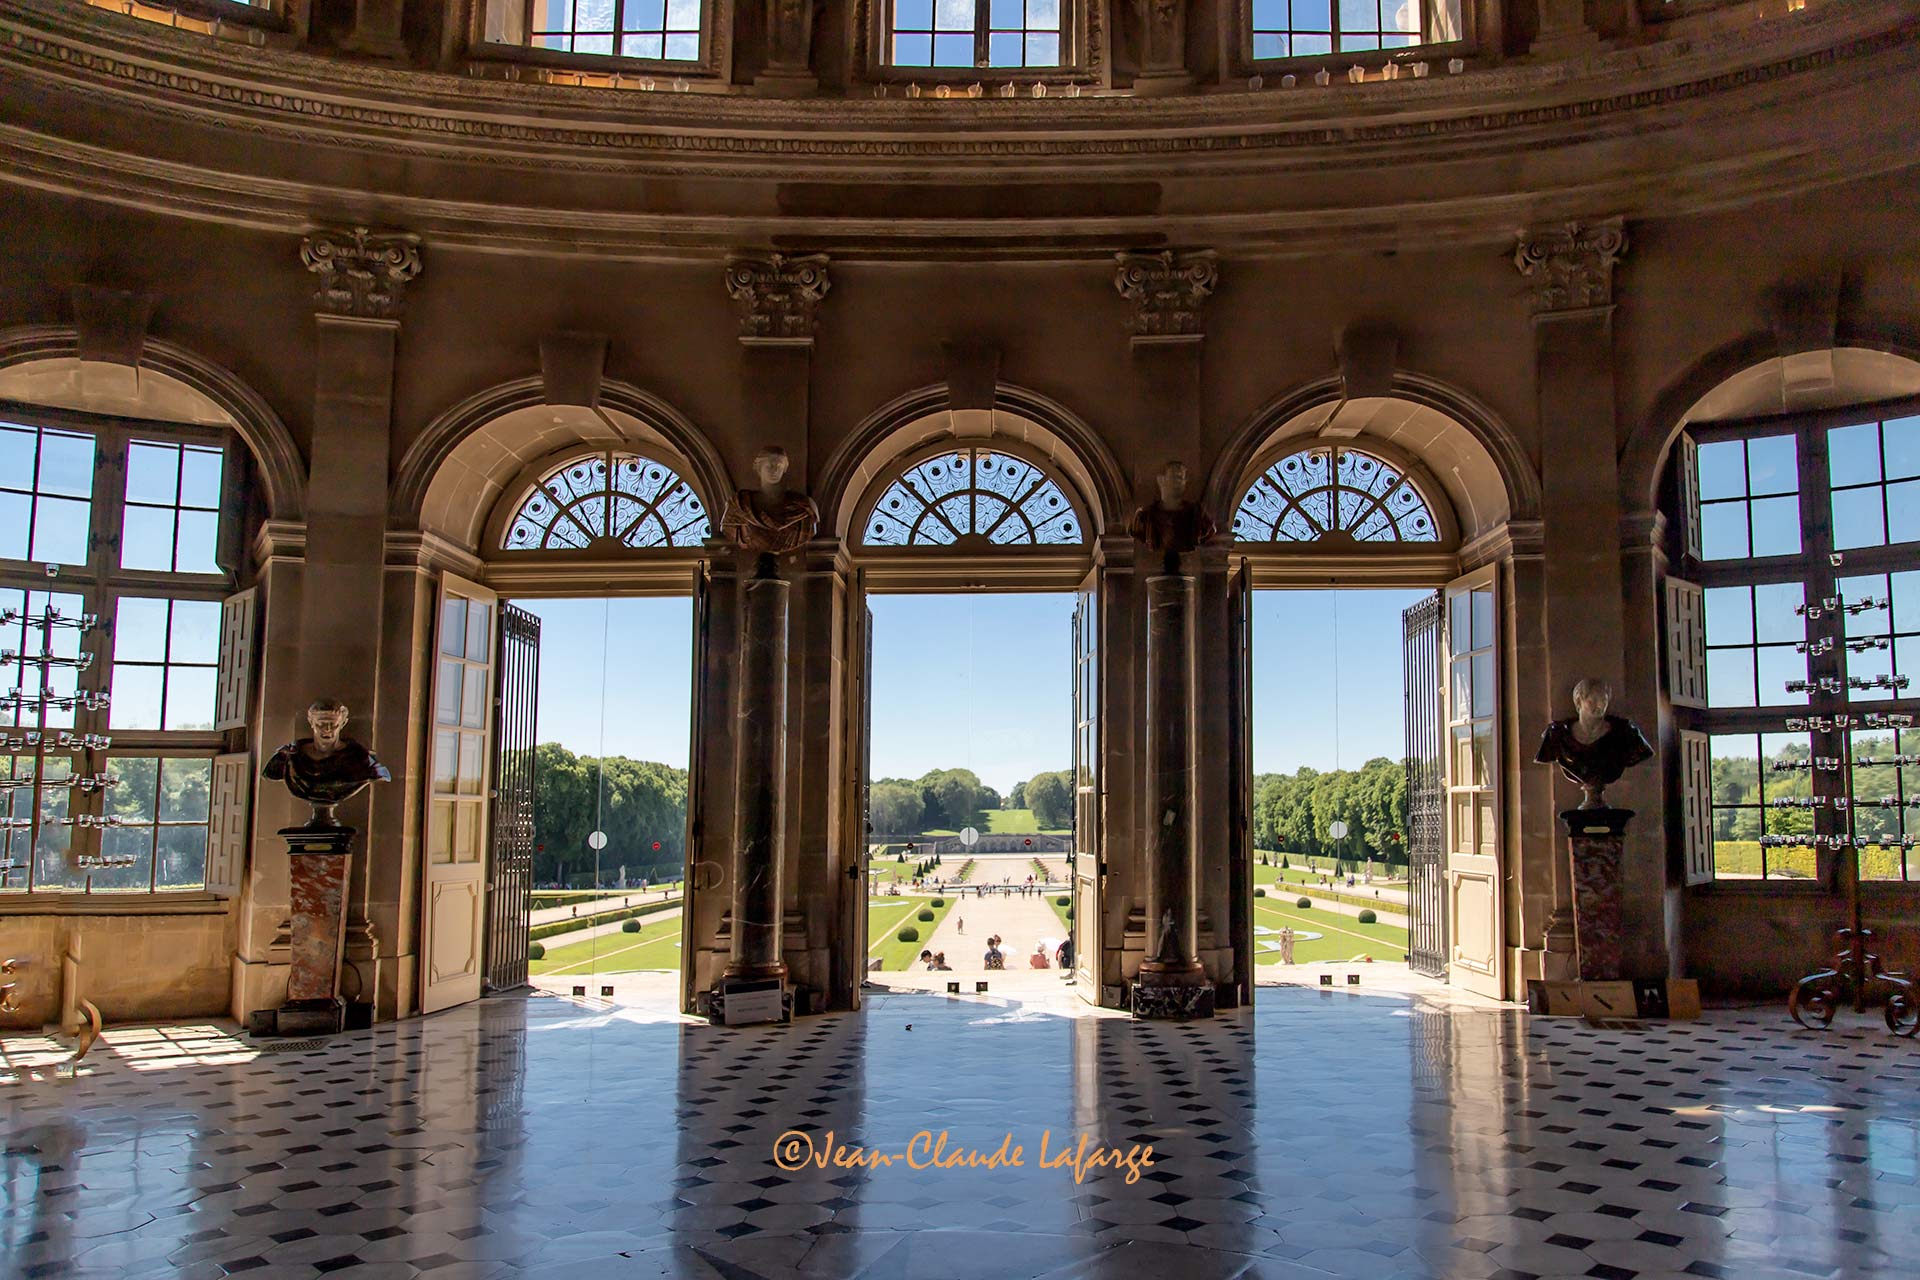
(1053, 900)
(1343, 936)
(896, 955)
(654, 947)
(884, 918)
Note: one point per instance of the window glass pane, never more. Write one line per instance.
(469, 764)
(196, 631)
(1856, 589)
(136, 697)
(200, 477)
(1903, 511)
(16, 518)
(683, 15)
(60, 531)
(1043, 50)
(1853, 454)
(66, 464)
(146, 542)
(181, 852)
(446, 750)
(453, 625)
(1906, 601)
(133, 796)
(683, 48)
(1044, 15)
(1900, 441)
(17, 445)
(153, 473)
(190, 698)
(140, 630)
(953, 51)
(1778, 665)
(1482, 619)
(1776, 526)
(954, 15)
(129, 855)
(912, 51)
(1858, 518)
(1483, 685)
(447, 698)
(1459, 634)
(1772, 465)
(1730, 678)
(1729, 615)
(1723, 470)
(1723, 531)
(479, 631)
(473, 698)
(1774, 606)
(1358, 15)
(1868, 665)
(1005, 49)
(184, 790)
(198, 531)
(1312, 15)
(913, 15)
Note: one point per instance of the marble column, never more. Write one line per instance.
(1172, 983)
(760, 782)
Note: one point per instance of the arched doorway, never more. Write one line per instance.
(1397, 510)
(564, 548)
(956, 508)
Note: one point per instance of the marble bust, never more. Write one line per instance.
(1173, 526)
(771, 520)
(1593, 748)
(328, 768)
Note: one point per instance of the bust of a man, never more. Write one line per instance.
(1593, 748)
(771, 520)
(328, 768)
(1173, 526)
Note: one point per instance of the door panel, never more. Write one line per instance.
(702, 612)
(1086, 790)
(1475, 929)
(1426, 836)
(510, 859)
(453, 904)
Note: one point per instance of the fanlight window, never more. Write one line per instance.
(1328, 492)
(973, 496)
(608, 498)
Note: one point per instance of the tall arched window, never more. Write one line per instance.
(1330, 492)
(974, 496)
(606, 500)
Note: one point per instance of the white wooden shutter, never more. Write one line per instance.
(1687, 461)
(1686, 643)
(232, 795)
(234, 690)
(1696, 804)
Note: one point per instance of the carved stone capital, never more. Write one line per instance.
(777, 296)
(1571, 264)
(1167, 290)
(362, 273)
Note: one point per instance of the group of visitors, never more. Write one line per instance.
(935, 960)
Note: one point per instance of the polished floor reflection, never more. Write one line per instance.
(1326, 1134)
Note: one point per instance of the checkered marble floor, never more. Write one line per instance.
(1325, 1134)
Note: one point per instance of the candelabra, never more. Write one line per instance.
(1856, 971)
(32, 743)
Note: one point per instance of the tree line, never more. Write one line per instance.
(638, 803)
(1294, 812)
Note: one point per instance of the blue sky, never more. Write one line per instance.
(983, 681)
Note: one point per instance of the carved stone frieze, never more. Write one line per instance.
(362, 273)
(1570, 265)
(777, 296)
(1167, 289)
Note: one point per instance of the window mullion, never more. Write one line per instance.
(982, 37)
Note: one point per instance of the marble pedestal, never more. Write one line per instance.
(1595, 839)
(1155, 1001)
(318, 874)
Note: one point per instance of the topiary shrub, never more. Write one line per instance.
(536, 951)
(938, 902)
(1259, 893)
(924, 916)
(1063, 900)
(631, 926)
(1367, 917)
(908, 934)
(1283, 862)
(1069, 911)
(1303, 902)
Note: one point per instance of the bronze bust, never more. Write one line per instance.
(1173, 526)
(1593, 748)
(326, 769)
(771, 520)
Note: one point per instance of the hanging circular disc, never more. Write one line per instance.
(597, 841)
(969, 837)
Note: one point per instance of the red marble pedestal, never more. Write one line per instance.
(1596, 838)
(318, 876)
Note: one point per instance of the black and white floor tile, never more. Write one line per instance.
(1324, 1134)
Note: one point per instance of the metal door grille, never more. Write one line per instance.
(1426, 790)
(510, 861)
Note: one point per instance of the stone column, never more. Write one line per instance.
(760, 782)
(1173, 889)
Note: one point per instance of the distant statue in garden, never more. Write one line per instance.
(328, 768)
(772, 520)
(1173, 526)
(1593, 748)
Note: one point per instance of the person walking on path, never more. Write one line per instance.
(960, 924)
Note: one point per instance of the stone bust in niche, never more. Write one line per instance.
(326, 769)
(1173, 526)
(771, 520)
(1593, 748)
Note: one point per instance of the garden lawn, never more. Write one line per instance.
(1342, 938)
(656, 946)
(896, 955)
(885, 916)
(1297, 875)
(1053, 900)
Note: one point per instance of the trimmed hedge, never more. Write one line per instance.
(908, 934)
(1303, 902)
(924, 916)
(631, 926)
(536, 951)
(1063, 900)
(1367, 917)
(938, 902)
(1259, 891)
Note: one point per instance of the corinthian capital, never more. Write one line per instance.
(1167, 290)
(362, 272)
(1571, 264)
(777, 296)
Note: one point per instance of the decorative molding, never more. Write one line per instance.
(362, 273)
(1571, 265)
(777, 297)
(1167, 291)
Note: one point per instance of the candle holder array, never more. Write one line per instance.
(29, 738)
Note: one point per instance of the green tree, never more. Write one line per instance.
(895, 808)
(1050, 796)
(1017, 798)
